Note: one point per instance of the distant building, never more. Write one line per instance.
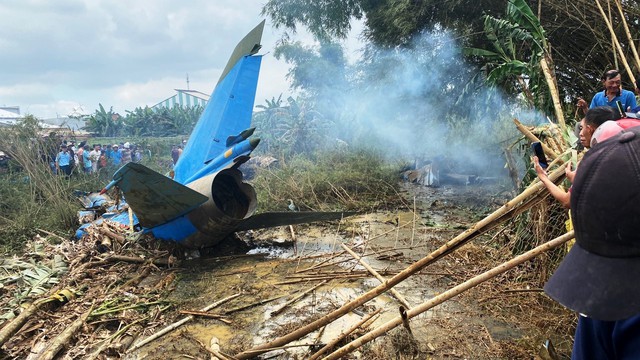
(186, 98)
(66, 123)
(9, 115)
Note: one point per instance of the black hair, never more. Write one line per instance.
(610, 74)
(599, 114)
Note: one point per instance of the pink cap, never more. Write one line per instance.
(608, 129)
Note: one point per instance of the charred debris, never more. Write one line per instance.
(109, 294)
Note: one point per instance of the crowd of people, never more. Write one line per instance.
(87, 159)
(598, 277)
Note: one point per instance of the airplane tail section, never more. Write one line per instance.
(228, 111)
(154, 197)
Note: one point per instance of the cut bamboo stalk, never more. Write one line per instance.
(457, 290)
(104, 230)
(343, 335)
(177, 324)
(373, 272)
(139, 260)
(207, 315)
(63, 338)
(632, 44)
(523, 129)
(483, 225)
(553, 89)
(296, 298)
(11, 328)
(130, 220)
(616, 42)
(257, 303)
(321, 263)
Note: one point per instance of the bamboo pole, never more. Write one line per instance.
(553, 89)
(257, 303)
(343, 335)
(373, 272)
(483, 225)
(632, 45)
(179, 323)
(139, 260)
(11, 328)
(529, 135)
(616, 42)
(63, 338)
(296, 298)
(457, 290)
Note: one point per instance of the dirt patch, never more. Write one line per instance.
(507, 317)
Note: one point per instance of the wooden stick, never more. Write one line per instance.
(547, 150)
(487, 275)
(296, 298)
(535, 189)
(373, 272)
(104, 230)
(257, 303)
(130, 220)
(16, 324)
(51, 234)
(206, 314)
(343, 335)
(61, 340)
(333, 256)
(138, 260)
(553, 89)
(616, 42)
(177, 324)
(319, 278)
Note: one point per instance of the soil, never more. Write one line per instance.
(508, 317)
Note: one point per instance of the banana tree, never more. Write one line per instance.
(520, 59)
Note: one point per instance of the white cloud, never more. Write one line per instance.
(123, 53)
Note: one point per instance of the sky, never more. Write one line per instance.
(67, 56)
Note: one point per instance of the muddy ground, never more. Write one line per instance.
(506, 318)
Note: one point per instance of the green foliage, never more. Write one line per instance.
(162, 121)
(335, 179)
(31, 196)
(290, 129)
(104, 123)
(325, 19)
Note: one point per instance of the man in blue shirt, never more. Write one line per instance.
(612, 93)
(63, 160)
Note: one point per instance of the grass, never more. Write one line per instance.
(357, 179)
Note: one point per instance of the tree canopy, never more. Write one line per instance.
(580, 42)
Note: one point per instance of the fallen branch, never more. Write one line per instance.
(487, 275)
(63, 338)
(139, 260)
(258, 303)
(12, 328)
(206, 314)
(296, 298)
(177, 324)
(373, 272)
(343, 335)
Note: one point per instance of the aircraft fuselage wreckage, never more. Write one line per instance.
(207, 199)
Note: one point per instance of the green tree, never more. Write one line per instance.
(104, 123)
(582, 47)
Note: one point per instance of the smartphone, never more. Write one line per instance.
(621, 110)
(536, 147)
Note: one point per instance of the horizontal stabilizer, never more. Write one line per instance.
(154, 197)
(271, 219)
